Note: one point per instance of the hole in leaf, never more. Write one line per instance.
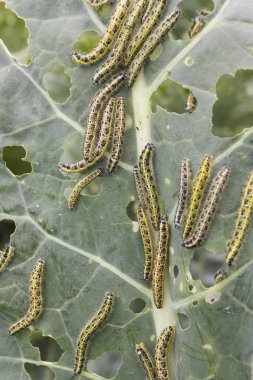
(50, 350)
(158, 50)
(204, 265)
(7, 228)
(87, 41)
(105, 13)
(170, 96)
(57, 83)
(176, 271)
(190, 287)
(131, 210)
(14, 34)
(183, 320)
(38, 372)
(107, 366)
(94, 188)
(137, 305)
(233, 111)
(195, 303)
(14, 160)
(190, 9)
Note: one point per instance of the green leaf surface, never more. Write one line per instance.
(97, 247)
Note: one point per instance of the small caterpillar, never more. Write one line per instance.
(160, 263)
(118, 133)
(97, 3)
(242, 223)
(191, 103)
(92, 125)
(150, 44)
(196, 26)
(145, 29)
(198, 191)
(163, 345)
(147, 240)
(81, 185)
(208, 210)
(106, 41)
(150, 187)
(146, 360)
(220, 275)
(35, 308)
(140, 187)
(184, 191)
(115, 58)
(89, 330)
(6, 256)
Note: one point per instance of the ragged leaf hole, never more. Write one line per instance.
(137, 305)
(39, 372)
(184, 321)
(50, 350)
(14, 157)
(106, 366)
(7, 228)
(57, 83)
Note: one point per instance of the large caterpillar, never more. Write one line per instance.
(149, 45)
(35, 308)
(160, 263)
(118, 133)
(184, 191)
(147, 240)
(198, 192)
(163, 344)
(208, 210)
(106, 41)
(150, 188)
(242, 223)
(115, 58)
(146, 360)
(145, 29)
(92, 125)
(89, 330)
(6, 256)
(81, 185)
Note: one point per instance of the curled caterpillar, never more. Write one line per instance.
(160, 263)
(147, 240)
(89, 330)
(80, 186)
(208, 210)
(6, 256)
(36, 301)
(146, 360)
(149, 45)
(184, 191)
(118, 134)
(242, 223)
(106, 41)
(198, 192)
(163, 345)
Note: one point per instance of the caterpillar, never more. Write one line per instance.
(146, 360)
(196, 26)
(81, 185)
(140, 187)
(163, 345)
(198, 191)
(89, 330)
(36, 301)
(150, 187)
(96, 107)
(145, 29)
(115, 58)
(160, 263)
(151, 5)
(97, 3)
(208, 210)
(6, 256)
(191, 103)
(184, 191)
(118, 134)
(149, 45)
(242, 223)
(220, 275)
(106, 41)
(147, 240)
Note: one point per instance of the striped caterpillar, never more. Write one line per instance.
(184, 191)
(6, 256)
(163, 344)
(196, 26)
(147, 240)
(146, 360)
(140, 187)
(191, 103)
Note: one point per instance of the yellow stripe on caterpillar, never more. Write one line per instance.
(140, 188)
(163, 345)
(184, 191)
(197, 25)
(6, 256)
(146, 360)
(147, 239)
(89, 330)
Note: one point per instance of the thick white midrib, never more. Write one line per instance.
(180, 56)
